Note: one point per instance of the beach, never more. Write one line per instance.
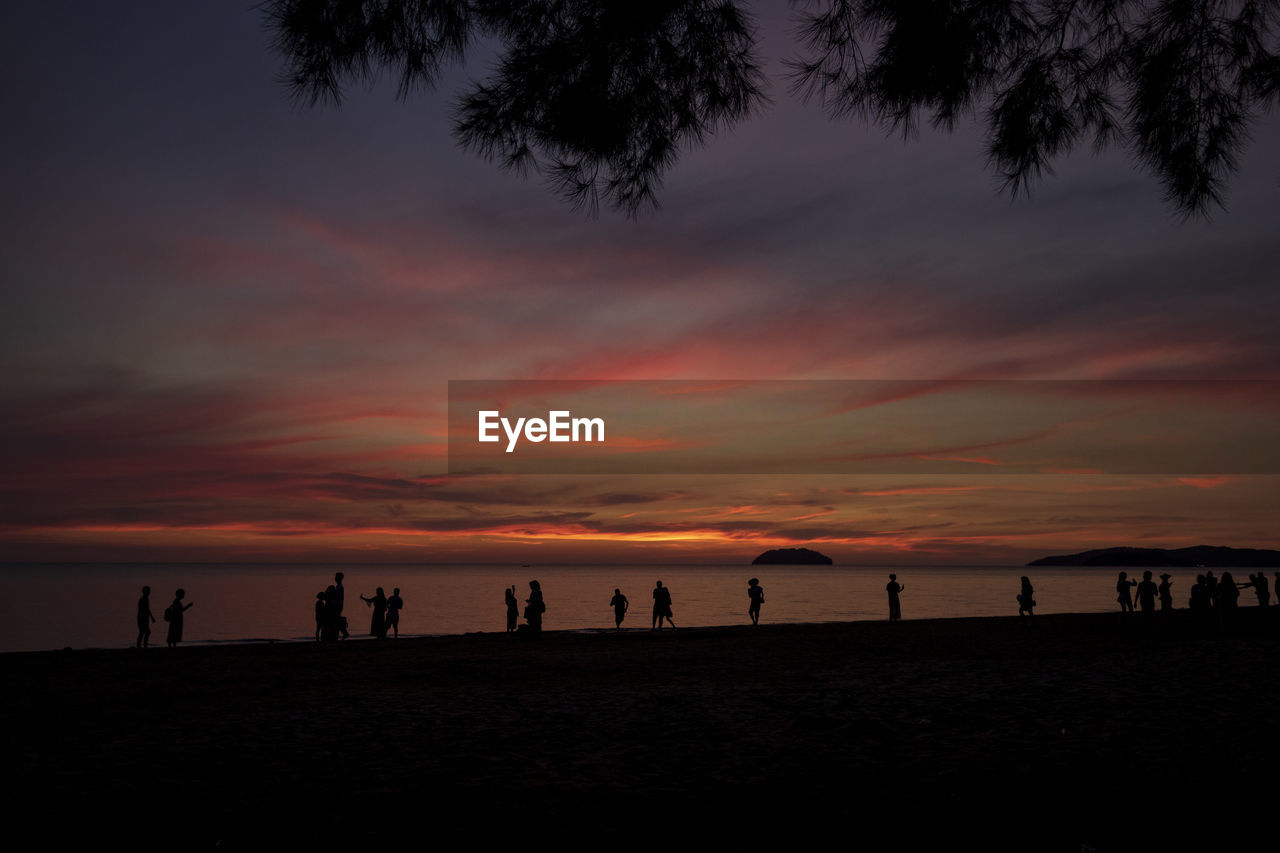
(1075, 732)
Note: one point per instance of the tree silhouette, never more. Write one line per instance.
(600, 97)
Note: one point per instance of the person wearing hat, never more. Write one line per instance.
(1166, 593)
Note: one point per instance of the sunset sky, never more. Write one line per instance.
(229, 322)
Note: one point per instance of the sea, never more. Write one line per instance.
(56, 606)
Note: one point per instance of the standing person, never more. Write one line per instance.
(174, 615)
(322, 616)
(339, 599)
(1026, 599)
(1166, 593)
(895, 606)
(661, 607)
(378, 625)
(1228, 600)
(1260, 588)
(1211, 585)
(534, 607)
(394, 605)
(329, 619)
(1147, 599)
(145, 618)
(1199, 602)
(755, 595)
(513, 609)
(1123, 587)
(619, 604)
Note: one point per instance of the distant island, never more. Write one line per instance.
(791, 557)
(1210, 556)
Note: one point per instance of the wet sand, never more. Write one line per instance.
(1079, 730)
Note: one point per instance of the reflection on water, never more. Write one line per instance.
(94, 605)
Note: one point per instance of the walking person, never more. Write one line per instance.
(174, 614)
(755, 594)
(619, 604)
(145, 618)
(895, 605)
(661, 607)
(1026, 600)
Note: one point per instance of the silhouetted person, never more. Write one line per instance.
(1147, 593)
(619, 604)
(339, 600)
(329, 630)
(513, 609)
(1026, 600)
(1124, 586)
(1166, 593)
(394, 605)
(322, 615)
(1228, 599)
(755, 593)
(1260, 588)
(895, 605)
(174, 615)
(1199, 600)
(661, 607)
(378, 625)
(145, 618)
(534, 607)
(1211, 585)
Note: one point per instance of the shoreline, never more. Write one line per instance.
(776, 730)
(1180, 614)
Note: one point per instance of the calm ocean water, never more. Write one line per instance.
(53, 606)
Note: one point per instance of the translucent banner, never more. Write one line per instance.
(864, 427)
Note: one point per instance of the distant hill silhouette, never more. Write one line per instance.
(1200, 555)
(791, 557)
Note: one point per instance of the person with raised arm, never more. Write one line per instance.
(175, 616)
(895, 605)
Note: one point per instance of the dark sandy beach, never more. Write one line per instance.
(966, 732)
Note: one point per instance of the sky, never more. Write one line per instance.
(230, 321)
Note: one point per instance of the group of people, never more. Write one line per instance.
(173, 614)
(331, 624)
(1208, 595)
(535, 606)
